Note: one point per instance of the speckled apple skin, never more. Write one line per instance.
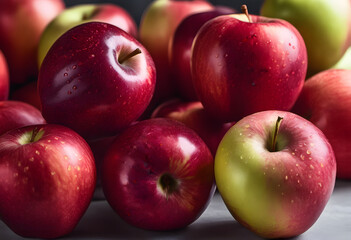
(275, 194)
(82, 84)
(240, 67)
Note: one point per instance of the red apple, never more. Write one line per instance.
(157, 26)
(275, 175)
(180, 51)
(82, 13)
(27, 93)
(194, 116)
(47, 180)
(4, 78)
(158, 175)
(21, 24)
(96, 79)
(243, 64)
(325, 100)
(15, 114)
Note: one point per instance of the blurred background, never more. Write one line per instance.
(136, 7)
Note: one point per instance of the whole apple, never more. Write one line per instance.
(15, 114)
(4, 78)
(96, 79)
(156, 29)
(194, 116)
(82, 13)
(180, 51)
(325, 100)
(243, 64)
(21, 24)
(275, 172)
(324, 25)
(158, 175)
(47, 180)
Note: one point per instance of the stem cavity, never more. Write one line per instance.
(122, 59)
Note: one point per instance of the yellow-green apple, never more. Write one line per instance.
(21, 24)
(243, 64)
(27, 93)
(16, 114)
(82, 13)
(47, 180)
(4, 78)
(194, 116)
(158, 175)
(157, 26)
(275, 172)
(180, 51)
(324, 25)
(325, 100)
(344, 62)
(96, 79)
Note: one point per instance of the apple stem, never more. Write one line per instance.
(34, 134)
(122, 59)
(275, 135)
(246, 12)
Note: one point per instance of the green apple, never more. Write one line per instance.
(345, 61)
(83, 13)
(275, 176)
(324, 25)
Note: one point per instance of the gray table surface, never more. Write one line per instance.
(100, 222)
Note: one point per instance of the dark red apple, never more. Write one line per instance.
(47, 180)
(194, 116)
(158, 174)
(180, 51)
(243, 64)
(21, 24)
(96, 79)
(15, 114)
(325, 100)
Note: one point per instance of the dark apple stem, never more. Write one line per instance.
(34, 134)
(246, 12)
(274, 139)
(130, 55)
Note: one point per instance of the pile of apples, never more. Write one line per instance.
(196, 97)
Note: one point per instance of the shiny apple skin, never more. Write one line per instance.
(83, 86)
(181, 49)
(45, 186)
(239, 68)
(325, 100)
(21, 24)
(136, 161)
(4, 78)
(275, 194)
(194, 116)
(15, 114)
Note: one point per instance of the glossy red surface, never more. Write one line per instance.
(135, 164)
(83, 85)
(240, 67)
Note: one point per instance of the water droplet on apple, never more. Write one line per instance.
(65, 74)
(320, 185)
(241, 157)
(74, 66)
(74, 87)
(69, 92)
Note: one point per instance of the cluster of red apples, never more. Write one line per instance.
(196, 97)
